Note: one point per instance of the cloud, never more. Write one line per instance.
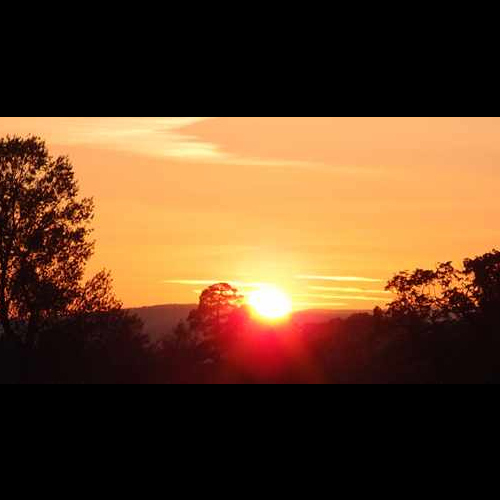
(344, 289)
(319, 304)
(338, 278)
(159, 137)
(193, 282)
(342, 297)
(238, 284)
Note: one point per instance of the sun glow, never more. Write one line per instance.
(270, 303)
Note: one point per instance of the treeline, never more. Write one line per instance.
(443, 325)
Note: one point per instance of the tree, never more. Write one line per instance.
(425, 298)
(217, 304)
(485, 279)
(451, 318)
(44, 230)
(213, 322)
(54, 326)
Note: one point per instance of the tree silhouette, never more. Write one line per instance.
(44, 229)
(484, 272)
(53, 326)
(217, 305)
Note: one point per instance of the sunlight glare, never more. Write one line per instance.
(270, 303)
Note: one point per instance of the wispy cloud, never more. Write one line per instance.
(342, 297)
(238, 284)
(338, 278)
(319, 304)
(160, 137)
(344, 289)
(163, 137)
(192, 282)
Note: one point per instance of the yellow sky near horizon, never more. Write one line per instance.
(308, 204)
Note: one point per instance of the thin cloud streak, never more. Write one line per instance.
(338, 278)
(191, 282)
(342, 297)
(319, 304)
(240, 284)
(345, 289)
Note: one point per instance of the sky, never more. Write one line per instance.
(327, 208)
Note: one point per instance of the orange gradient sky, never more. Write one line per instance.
(326, 208)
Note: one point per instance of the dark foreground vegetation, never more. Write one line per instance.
(442, 327)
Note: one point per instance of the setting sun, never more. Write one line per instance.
(270, 303)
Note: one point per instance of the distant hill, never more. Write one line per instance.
(161, 320)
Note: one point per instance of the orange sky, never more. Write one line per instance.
(181, 202)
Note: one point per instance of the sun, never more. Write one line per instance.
(270, 303)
